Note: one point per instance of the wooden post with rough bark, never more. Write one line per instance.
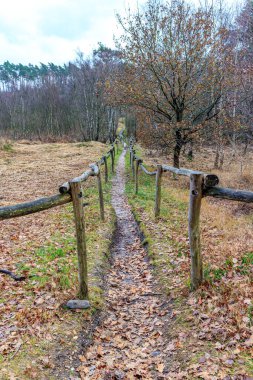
(106, 169)
(77, 199)
(101, 196)
(158, 183)
(138, 162)
(112, 159)
(132, 164)
(196, 187)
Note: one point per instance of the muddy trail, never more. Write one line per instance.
(129, 342)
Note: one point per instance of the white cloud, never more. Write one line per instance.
(33, 31)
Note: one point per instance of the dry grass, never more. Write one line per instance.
(34, 171)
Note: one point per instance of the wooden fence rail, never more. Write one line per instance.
(146, 170)
(201, 185)
(70, 191)
(26, 208)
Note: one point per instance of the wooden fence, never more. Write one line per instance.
(201, 185)
(71, 191)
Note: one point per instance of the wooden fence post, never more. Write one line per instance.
(158, 182)
(132, 164)
(138, 162)
(196, 186)
(112, 158)
(106, 169)
(101, 196)
(77, 199)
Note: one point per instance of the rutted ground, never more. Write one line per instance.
(129, 343)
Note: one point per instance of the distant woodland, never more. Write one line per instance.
(180, 75)
(49, 102)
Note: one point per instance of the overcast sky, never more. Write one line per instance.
(33, 31)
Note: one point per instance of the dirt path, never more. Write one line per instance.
(129, 342)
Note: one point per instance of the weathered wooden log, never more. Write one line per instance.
(158, 183)
(146, 170)
(65, 187)
(101, 196)
(112, 160)
(132, 164)
(137, 158)
(77, 198)
(100, 162)
(138, 162)
(26, 208)
(97, 172)
(94, 168)
(231, 194)
(106, 169)
(196, 185)
(209, 179)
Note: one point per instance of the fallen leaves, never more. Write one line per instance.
(249, 342)
(160, 367)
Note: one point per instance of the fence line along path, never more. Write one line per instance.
(71, 191)
(201, 185)
(129, 340)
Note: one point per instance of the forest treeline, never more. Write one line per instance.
(50, 102)
(181, 74)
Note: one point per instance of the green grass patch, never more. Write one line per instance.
(7, 147)
(243, 267)
(172, 221)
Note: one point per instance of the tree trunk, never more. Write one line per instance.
(221, 158)
(190, 152)
(177, 149)
(217, 157)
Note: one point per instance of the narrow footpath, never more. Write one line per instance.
(129, 342)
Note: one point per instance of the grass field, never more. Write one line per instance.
(34, 326)
(211, 330)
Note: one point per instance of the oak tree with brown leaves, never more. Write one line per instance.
(174, 66)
